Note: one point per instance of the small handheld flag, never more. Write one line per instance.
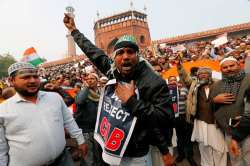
(31, 56)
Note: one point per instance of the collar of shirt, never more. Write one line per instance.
(18, 98)
(207, 91)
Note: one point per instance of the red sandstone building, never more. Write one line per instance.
(108, 30)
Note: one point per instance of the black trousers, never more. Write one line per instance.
(94, 156)
(183, 133)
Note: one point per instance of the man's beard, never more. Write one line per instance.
(204, 81)
(25, 93)
(229, 76)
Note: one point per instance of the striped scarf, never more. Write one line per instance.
(94, 96)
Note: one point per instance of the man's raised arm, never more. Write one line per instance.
(95, 54)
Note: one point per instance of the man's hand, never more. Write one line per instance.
(50, 86)
(69, 22)
(168, 160)
(83, 148)
(125, 91)
(234, 148)
(178, 60)
(224, 98)
(237, 120)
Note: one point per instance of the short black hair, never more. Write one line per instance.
(172, 76)
(13, 74)
(194, 70)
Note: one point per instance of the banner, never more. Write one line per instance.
(222, 39)
(114, 125)
(214, 65)
(173, 92)
(178, 48)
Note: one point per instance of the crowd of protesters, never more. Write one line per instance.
(166, 56)
(206, 118)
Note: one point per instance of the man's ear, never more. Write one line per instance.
(138, 57)
(248, 96)
(11, 80)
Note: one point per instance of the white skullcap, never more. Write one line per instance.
(104, 78)
(230, 58)
(19, 66)
(204, 69)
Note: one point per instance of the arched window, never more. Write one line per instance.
(142, 39)
(111, 46)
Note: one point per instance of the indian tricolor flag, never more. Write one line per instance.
(31, 56)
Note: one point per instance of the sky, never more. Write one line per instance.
(38, 23)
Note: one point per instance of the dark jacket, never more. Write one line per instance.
(86, 111)
(243, 129)
(223, 112)
(204, 110)
(153, 110)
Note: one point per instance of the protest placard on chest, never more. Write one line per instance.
(174, 94)
(114, 125)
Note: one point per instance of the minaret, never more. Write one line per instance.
(71, 44)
